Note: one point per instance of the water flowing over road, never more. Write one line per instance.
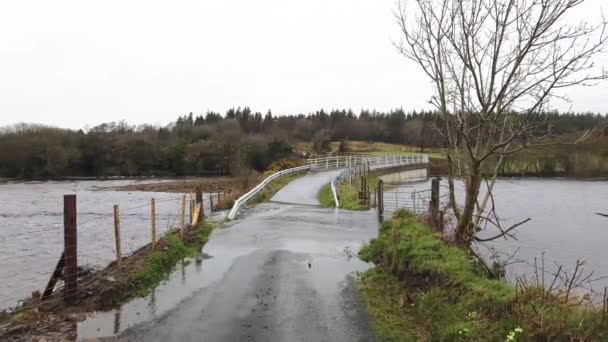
(283, 272)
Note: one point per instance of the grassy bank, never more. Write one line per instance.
(433, 291)
(159, 264)
(348, 195)
(370, 147)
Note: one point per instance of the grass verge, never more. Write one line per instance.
(158, 265)
(348, 195)
(445, 294)
(383, 297)
(326, 197)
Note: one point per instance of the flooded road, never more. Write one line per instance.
(31, 228)
(283, 272)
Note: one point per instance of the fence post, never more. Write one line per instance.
(380, 195)
(70, 241)
(153, 220)
(434, 210)
(117, 235)
(199, 195)
(183, 218)
(211, 202)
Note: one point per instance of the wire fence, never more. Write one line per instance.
(413, 199)
(33, 248)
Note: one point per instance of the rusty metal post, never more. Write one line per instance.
(70, 241)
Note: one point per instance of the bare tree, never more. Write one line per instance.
(496, 65)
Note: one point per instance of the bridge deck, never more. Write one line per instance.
(304, 190)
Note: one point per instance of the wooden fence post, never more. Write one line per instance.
(70, 241)
(183, 218)
(153, 221)
(50, 286)
(380, 194)
(117, 235)
(434, 210)
(199, 195)
(211, 201)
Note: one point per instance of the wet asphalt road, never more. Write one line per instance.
(283, 272)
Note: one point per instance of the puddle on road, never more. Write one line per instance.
(187, 278)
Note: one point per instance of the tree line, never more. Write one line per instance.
(216, 144)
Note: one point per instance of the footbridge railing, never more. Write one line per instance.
(374, 162)
(337, 162)
(239, 203)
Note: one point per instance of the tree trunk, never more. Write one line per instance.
(465, 230)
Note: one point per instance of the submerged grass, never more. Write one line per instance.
(451, 299)
(158, 265)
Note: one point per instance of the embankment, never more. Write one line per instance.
(423, 289)
(54, 319)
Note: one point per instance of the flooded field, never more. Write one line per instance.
(31, 228)
(564, 226)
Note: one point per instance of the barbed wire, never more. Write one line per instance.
(133, 223)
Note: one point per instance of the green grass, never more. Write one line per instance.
(451, 299)
(383, 298)
(374, 148)
(348, 195)
(159, 264)
(326, 197)
(273, 187)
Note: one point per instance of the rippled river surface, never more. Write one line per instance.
(564, 225)
(31, 228)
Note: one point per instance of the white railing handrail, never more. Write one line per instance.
(246, 197)
(334, 191)
(346, 162)
(379, 162)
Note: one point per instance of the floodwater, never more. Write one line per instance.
(31, 228)
(280, 273)
(564, 226)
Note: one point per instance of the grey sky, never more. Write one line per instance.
(77, 63)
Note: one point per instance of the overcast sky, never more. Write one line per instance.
(79, 63)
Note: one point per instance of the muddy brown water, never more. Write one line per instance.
(564, 226)
(31, 228)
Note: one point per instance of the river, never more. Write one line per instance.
(31, 228)
(564, 226)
